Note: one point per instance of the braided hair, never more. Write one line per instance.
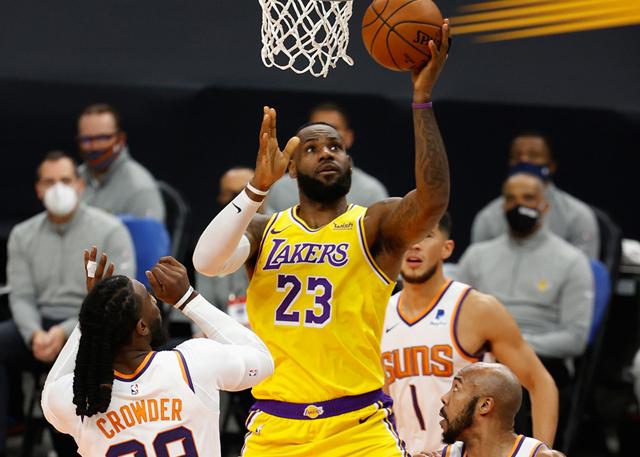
(108, 316)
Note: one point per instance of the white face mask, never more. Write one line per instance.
(60, 199)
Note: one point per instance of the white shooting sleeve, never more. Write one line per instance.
(248, 362)
(65, 364)
(222, 247)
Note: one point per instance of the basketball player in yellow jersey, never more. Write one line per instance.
(322, 273)
(436, 326)
(478, 414)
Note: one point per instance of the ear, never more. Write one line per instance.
(553, 167)
(39, 191)
(447, 249)
(350, 161)
(545, 207)
(292, 169)
(486, 405)
(122, 137)
(80, 185)
(142, 329)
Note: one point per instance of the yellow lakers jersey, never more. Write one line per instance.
(317, 299)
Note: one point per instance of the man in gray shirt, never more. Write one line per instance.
(115, 182)
(568, 217)
(544, 282)
(365, 189)
(45, 269)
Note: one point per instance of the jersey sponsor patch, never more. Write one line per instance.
(440, 318)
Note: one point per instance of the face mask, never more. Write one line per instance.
(99, 160)
(60, 199)
(522, 219)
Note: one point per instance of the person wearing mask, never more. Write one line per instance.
(365, 189)
(115, 182)
(544, 282)
(568, 217)
(46, 279)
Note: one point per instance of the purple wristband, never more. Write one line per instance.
(422, 105)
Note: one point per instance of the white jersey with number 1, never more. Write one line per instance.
(420, 357)
(169, 406)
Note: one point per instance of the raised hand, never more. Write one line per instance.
(271, 163)
(92, 276)
(425, 78)
(168, 280)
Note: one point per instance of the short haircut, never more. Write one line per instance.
(54, 156)
(539, 134)
(445, 225)
(309, 124)
(331, 106)
(102, 108)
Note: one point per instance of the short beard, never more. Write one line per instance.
(460, 423)
(159, 334)
(320, 192)
(424, 277)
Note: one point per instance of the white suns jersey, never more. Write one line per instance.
(420, 357)
(154, 411)
(522, 447)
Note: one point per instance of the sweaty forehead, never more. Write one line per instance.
(316, 132)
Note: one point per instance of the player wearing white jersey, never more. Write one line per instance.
(117, 396)
(478, 413)
(433, 328)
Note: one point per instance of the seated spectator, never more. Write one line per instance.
(365, 189)
(569, 218)
(115, 182)
(231, 289)
(544, 282)
(47, 279)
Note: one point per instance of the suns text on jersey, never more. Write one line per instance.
(138, 412)
(282, 254)
(418, 361)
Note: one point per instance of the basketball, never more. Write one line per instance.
(397, 32)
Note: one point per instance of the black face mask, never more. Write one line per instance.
(522, 219)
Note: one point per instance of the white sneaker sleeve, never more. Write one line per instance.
(222, 247)
(238, 361)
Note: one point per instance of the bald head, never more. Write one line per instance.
(498, 382)
(520, 183)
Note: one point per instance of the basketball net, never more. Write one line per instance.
(305, 35)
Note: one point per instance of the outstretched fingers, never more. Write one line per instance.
(291, 147)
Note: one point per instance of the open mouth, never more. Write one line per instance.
(413, 260)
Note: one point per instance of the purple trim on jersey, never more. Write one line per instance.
(144, 368)
(455, 328)
(435, 305)
(515, 451)
(266, 232)
(365, 248)
(444, 451)
(186, 370)
(537, 450)
(329, 408)
(300, 222)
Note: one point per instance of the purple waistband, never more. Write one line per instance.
(321, 409)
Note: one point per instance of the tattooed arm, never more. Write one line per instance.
(393, 225)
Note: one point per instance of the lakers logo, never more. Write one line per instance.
(313, 411)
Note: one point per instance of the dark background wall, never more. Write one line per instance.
(190, 83)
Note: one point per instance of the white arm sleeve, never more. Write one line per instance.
(247, 360)
(222, 247)
(57, 397)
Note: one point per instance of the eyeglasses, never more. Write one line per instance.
(91, 138)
